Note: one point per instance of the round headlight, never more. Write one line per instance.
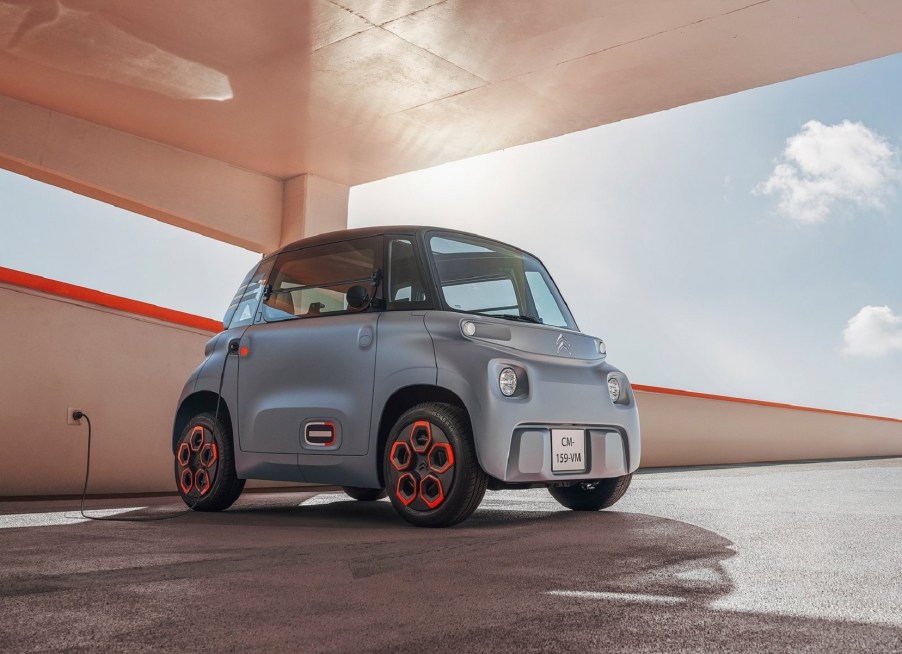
(614, 389)
(507, 381)
(602, 349)
(469, 328)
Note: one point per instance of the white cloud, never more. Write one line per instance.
(873, 332)
(826, 165)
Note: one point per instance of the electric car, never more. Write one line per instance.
(425, 363)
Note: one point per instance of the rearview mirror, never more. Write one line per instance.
(358, 297)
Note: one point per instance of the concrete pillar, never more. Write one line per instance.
(312, 205)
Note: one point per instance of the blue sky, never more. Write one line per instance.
(655, 234)
(61, 235)
(723, 246)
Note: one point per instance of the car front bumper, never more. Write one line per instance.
(513, 434)
(607, 454)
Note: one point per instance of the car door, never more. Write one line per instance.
(306, 367)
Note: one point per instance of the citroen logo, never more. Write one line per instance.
(563, 345)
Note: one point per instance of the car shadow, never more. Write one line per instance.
(630, 552)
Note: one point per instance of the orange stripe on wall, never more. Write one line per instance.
(742, 400)
(82, 294)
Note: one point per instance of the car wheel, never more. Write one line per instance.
(591, 495)
(364, 494)
(431, 472)
(205, 465)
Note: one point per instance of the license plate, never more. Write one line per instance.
(568, 450)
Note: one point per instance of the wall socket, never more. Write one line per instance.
(69, 419)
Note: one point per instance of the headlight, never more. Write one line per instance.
(507, 381)
(602, 349)
(614, 389)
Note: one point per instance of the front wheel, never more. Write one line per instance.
(430, 468)
(364, 494)
(591, 495)
(205, 465)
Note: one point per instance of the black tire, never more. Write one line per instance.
(591, 495)
(429, 488)
(213, 458)
(364, 494)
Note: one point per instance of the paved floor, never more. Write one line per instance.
(784, 558)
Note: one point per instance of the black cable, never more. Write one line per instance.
(78, 415)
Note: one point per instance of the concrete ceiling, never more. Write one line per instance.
(357, 90)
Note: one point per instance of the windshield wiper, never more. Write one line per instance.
(519, 317)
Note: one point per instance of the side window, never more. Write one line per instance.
(314, 281)
(546, 306)
(244, 305)
(405, 286)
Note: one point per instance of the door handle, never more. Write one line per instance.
(365, 336)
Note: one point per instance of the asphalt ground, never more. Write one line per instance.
(782, 558)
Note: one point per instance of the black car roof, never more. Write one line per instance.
(347, 234)
(365, 232)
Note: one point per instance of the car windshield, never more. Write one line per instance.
(484, 277)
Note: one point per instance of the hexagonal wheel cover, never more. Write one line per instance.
(400, 456)
(186, 480)
(431, 491)
(202, 481)
(441, 457)
(407, 488)
(196, 439)
(421, 436)
(184, 454)
(208, 454)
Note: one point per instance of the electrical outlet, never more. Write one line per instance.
(69, 419)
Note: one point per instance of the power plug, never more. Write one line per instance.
(74, 416)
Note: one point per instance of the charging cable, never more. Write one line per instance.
(78, 415)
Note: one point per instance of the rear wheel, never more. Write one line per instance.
(591, 495)
(205, 465)
(364, 494)
(431, 472)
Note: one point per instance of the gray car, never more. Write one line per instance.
(425, 363)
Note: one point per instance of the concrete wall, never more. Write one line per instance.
(682, 429)
(123, 367)
(126, 371)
